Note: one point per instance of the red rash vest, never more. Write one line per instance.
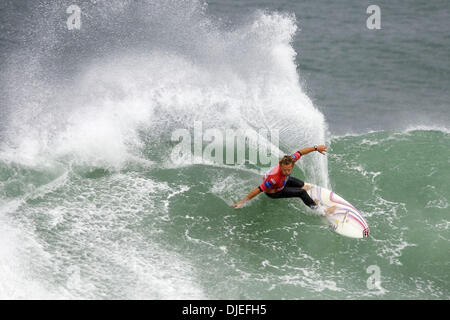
(274, 180)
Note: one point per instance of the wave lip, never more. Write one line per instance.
(245, 77)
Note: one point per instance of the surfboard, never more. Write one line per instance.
(345, 220)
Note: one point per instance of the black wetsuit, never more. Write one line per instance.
(292, 189)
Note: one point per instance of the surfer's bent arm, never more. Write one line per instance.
(252, 194)
(320, 149)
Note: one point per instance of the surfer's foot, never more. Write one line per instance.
(316, 205)
(330, 210)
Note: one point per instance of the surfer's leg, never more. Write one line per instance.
(297, 183)
(307, 199)
(294, 192)
(294, 182)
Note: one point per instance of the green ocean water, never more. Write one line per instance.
(127, 230)
(93, 204)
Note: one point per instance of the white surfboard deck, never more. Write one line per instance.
(345, 220)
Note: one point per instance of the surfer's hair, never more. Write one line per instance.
(287, 159)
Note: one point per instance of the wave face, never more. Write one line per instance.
(90, 232)
(90, 200)
(403, 189)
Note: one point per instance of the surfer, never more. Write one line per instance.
(277, 183)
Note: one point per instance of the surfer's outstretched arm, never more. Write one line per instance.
(252, 194)
(322, 149)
